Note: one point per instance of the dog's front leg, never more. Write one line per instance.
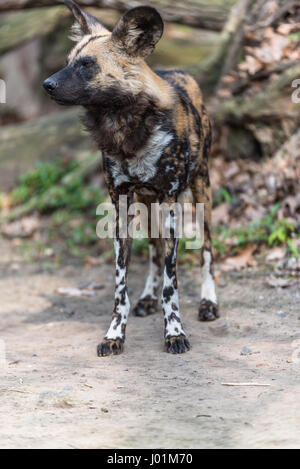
(113, 342)
(175, 338)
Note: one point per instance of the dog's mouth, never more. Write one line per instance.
(61, 101)
(56, 92)
(67, 100)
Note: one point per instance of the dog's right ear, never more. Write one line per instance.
(85, 23)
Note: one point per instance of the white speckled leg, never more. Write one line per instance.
(114, 339)
(147, 303)
(153, 278)
(175, 338)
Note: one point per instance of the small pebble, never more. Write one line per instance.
(222, 283)
(246, 351)
(281, 314)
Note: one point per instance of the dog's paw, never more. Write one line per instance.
(145, 307)
(208, 311)
(177, 344)
(110, 347)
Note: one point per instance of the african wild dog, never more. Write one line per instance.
(155, 136)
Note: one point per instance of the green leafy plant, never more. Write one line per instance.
(222, 195)
(40, 179)
(60, 191)
(268, 230)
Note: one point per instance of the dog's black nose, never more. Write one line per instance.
(50, 85)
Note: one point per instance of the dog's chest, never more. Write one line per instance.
(144, 166)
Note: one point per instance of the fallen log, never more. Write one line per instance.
(207, 14)
(23, 26)
(264, 105)
(57, 135)
(256, 126)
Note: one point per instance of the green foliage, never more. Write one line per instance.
(58, 189)
(75, 197)
(268, 230)
(40, 179)
(222, 195)
(61, 191)
(281, 231)
(46, 183)
(294, 37)
(140, 246)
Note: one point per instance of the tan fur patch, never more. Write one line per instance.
(132, 74)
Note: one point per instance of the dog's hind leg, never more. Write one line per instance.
(148, 301)
(175, 337)
(208, 309)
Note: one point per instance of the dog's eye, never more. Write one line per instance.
(87, 63)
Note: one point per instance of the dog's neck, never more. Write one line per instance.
(122, 125)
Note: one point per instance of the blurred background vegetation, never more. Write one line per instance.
(245, 55)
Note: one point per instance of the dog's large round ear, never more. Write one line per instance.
(85, 23)
(138, 31)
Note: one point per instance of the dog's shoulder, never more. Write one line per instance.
(185, 86)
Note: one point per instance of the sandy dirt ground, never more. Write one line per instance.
(56, 393)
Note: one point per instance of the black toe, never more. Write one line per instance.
(178, 344)
(110, 347)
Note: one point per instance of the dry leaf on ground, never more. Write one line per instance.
(276, 254)
(23, 228)
(241, 261)
(280, 282)
(75, 292)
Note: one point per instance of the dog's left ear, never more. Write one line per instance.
(85, 23)
(139, 30)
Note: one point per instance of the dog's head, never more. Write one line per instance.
(106, 68)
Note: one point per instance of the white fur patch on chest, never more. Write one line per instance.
(144, 165)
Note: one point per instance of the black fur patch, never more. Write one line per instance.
(121, 123)
(208, 311)
(167, 293)
(179, 344)
(73, 82)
